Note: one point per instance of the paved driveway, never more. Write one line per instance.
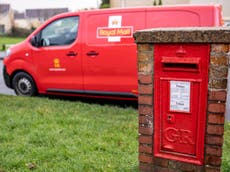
(2, 54)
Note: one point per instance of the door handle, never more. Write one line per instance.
(92, 53)
(71, 53)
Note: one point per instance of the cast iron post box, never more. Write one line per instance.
(180, 93)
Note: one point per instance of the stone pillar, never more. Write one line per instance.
(219, 41)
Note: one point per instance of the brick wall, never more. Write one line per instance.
(145, 106)
(218, 73)
(216, 99)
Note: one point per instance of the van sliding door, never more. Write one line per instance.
(109, 60)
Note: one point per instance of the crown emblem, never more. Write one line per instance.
(114, 22)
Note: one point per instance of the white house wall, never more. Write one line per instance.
(6, 20)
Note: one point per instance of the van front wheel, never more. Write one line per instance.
(24, 85)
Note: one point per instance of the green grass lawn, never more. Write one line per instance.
(44, 134)
(58, 135)
(6, 41)
(226, 152)
(10, 40)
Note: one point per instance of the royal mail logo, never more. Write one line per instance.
(57, 66)
(123, 32)
(56, 63)
(115, 31)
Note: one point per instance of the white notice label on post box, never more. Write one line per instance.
(180, 96)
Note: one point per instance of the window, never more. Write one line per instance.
(2, 29)
(60, 32)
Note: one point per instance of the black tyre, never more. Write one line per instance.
(24, 84)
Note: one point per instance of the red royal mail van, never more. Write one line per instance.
(92, 53)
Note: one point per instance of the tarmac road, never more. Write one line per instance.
(3, 88)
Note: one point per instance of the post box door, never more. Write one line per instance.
(179, 119)
(180, 91)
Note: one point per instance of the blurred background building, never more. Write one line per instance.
(11, 19)
(6, 18)
(132, 3)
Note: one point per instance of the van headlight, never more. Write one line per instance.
(8, 52)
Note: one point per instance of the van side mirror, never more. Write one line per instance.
(34, 41)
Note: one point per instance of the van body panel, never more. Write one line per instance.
(157, 18)
(118, 62)
(20, 60)
(67, 76)
(93, 52)
(188, 16)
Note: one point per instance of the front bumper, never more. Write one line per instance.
(6, 77)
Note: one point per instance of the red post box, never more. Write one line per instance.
(180, 93)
